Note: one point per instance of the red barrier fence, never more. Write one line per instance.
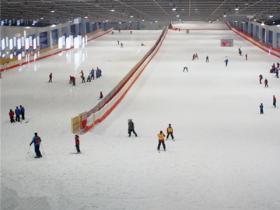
(271, 50)
(87, 120)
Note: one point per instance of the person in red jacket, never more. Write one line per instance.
(11, 114)
(77, 143)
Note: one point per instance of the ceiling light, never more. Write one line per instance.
(52, 11)
(143, 20)
(42, 18)
(131, 16)
(262, 23)
(112, 10)
(53, 25)
(174, 9)
(270, 16)
(156, 21)
(27, 27)
(86, 17)
(236, 8)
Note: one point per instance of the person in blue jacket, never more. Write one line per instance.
(17, 112)
(261, 108)
(36, 141)
(22, 112)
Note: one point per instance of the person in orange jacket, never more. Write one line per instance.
(169, 131)
(161, 138)
(77, 143)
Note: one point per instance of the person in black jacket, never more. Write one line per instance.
(131, 128)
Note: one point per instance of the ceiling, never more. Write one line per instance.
(139, 10)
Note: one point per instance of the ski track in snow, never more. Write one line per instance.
(225, 155)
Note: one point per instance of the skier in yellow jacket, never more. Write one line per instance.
(161, 138)
(169, 131)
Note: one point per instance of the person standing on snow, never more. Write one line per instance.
(131, 128)
(50, 77)
(169, 131)
(265, 83)
(11, 115)
(207, 59)
(260, 78)
(226, 61)
(261, 108)
(17, 111)
(22, 112)
(77, 143)
(274, 101)
(161, 137)
(36, 141)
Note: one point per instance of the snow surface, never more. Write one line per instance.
(225, 155)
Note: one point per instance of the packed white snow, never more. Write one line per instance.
(225, 154)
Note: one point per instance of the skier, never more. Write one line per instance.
(100, 95)
(169, 131)
(207, 59)
(36, 141)
(246, 57)
(226, 61)
(11, 115)
(265, 83)
(161, 137)
(121, 44)
(92, 73)
(239, 51)
(22, 112)
(185, 69)
(89, 78)
(261, 108)
(17, 111)
(118, 42)
(274, 101)
(260, 78)
(131, 128)
(77, 143)
(83, 78)
(277, 73)
(50, 77)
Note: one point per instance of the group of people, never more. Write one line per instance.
(161, 135)
(275, 69)
(18, 113)
(261, 106)
(91, 76)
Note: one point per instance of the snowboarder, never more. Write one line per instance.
(207, 59)
(169, 131)
(265, 83)
(226, 61)
(100, 95)
(161, 137)
(185, 69)
(261, 108)
(131, 128)
(50, 77)
(17, 111)
(77, 143)
(274, 101)
(11, 115)
(260, 78)
(22, 112)
(36, 141)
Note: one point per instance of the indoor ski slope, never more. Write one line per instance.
(225, 155)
